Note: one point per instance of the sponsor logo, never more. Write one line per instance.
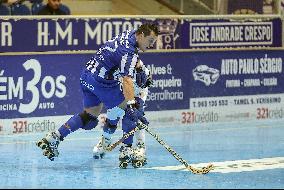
(205, 74)
(24, 126)
(202, 117)
(16, 94)
(266, 113)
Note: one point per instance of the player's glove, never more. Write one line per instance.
(149, 82)
(139, 104)
(140, 77)
(134, 114)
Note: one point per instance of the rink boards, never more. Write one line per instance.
(40, 90)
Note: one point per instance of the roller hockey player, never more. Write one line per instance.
(141, 81)
(100, 87)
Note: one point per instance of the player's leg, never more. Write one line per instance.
(82, 120)
(126, 150)
(51, 141)
(138, 153)
(140, 149)
(140, 134)
(139, 156)
(113, 99)
(86, 120)
(110, 126)
(140, 138)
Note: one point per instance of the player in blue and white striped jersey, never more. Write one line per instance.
(100, 87)
(142, 81)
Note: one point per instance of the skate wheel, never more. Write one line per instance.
(50, 157)
(45, 153)
(48, 153)
(123, 165)
(41, 145)
(137, 164)
(38, 143)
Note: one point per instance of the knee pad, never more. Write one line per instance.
(89, 121)
(115, 113)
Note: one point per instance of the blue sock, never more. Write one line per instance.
(73, 124)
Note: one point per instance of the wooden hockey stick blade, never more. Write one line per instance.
(204, 170)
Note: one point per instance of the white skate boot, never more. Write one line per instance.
(49, 145)
(139, 155)
(100, 149)
(125, 156)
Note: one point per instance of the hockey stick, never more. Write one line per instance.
(204, 170)
(125, 136)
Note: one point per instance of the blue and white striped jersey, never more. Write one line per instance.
(118, 54)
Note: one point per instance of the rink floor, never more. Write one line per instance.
(245, 155)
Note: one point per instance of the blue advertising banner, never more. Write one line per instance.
(39, 35)
(181, 76)
(40, 85)
(48, 85)
(26, 35)
(224, 33)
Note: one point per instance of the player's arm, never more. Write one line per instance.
(128, 88)
(143, 76)
(128, 64)
(127, 67)
(129, 84)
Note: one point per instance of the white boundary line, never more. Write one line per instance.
(233, 166)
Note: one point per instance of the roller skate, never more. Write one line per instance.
(125, 156)
(99, 150)
(49, 145)
(139, 155)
